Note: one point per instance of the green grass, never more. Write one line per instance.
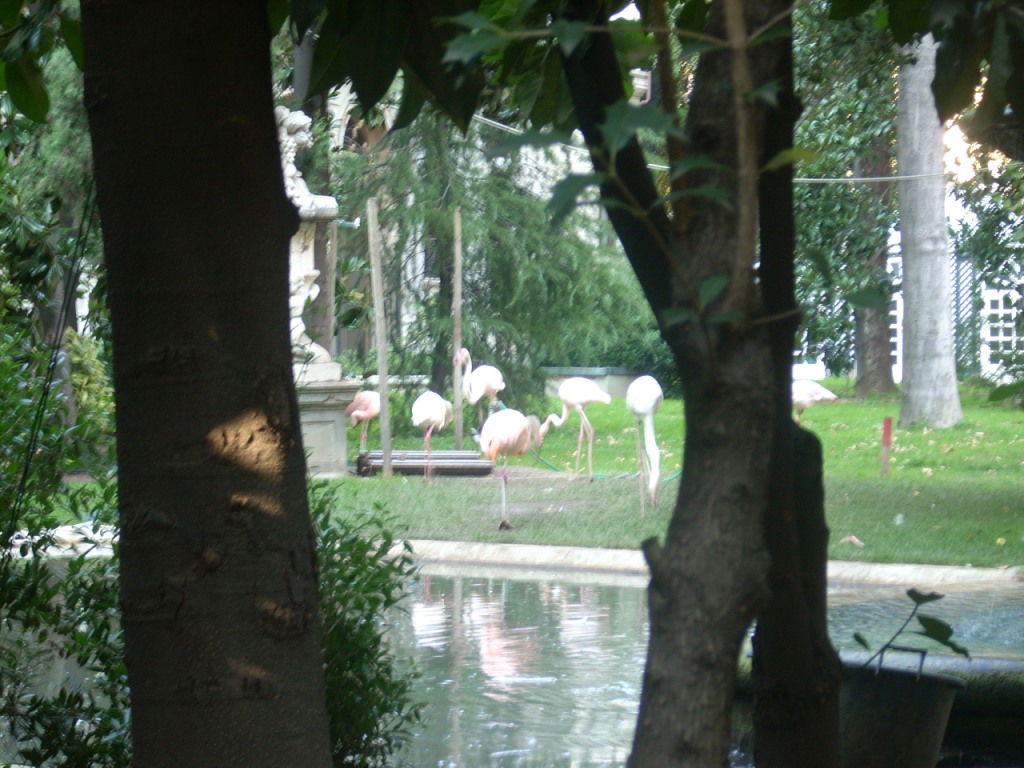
(952, 497)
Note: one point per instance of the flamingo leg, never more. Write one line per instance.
(363, 435)
(579, 440)
(426, 447)
(590, 443)
(504, 492)
(643, 473)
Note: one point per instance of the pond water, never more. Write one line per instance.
(546, 672)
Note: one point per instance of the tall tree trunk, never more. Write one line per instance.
(929, 367)
(795, 668)
(218, 576)
(709, 577)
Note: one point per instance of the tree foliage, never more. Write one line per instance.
(534, 294)
(849, 133)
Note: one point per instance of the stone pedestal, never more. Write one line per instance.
(322, 414)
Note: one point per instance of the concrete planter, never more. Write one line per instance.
(894, 718)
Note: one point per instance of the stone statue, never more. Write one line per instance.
(293, 133)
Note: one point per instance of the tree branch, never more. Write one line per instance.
(741, 285)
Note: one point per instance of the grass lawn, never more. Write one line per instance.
(952, 497)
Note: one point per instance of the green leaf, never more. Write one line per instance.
(693, 16)
(695, 162)
(712, 192)
(907, 18)
(377, 42)
(565, 192)
(511, 143)
(778, 31)
(845, 9)
(732, 316)
(940, 632)
(711, 288)
(569, 34)
(871, 297)
(304, 14)
(790, 156)
(413, 99)
(622, 120)
(27, 89)
(71, 31)
(768, 93)
(277, 14)
(861, 641)
(467, 48)
(10, 12)
(921, 598)
(332, 54)
(677, 316)
(472, 20)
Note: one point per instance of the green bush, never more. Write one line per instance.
(369, 700)
(94, 399)
(63, 683)
(63, 615)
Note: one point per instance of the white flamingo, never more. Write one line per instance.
(509, 432)
(431, 412)
(577, 393)
(482, 381)
(807, 392)
(643, 396)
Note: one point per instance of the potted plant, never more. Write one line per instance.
(895, 717)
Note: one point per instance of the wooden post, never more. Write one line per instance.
(381, 328)
(886, 444)
(457, 325)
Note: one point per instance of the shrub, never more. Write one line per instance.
(368, 697)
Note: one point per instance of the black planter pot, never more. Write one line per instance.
(893, 718)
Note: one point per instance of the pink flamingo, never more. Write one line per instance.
(431, 412)
(482, 381)
(508, 432)
(365, 405)
(577, 393)
(643, 396)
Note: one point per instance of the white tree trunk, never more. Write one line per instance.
(929, 371)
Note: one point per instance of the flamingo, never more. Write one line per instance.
(643, 396)
(431, 412)
(509, 432)
(365, 405)
(482, 381)
(806, 393)
(577, 393)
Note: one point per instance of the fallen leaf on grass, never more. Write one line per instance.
(851, 539)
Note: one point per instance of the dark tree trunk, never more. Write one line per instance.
(747, 486)
(796, 670)
(874, 354)
(871, 333)
(218, 590)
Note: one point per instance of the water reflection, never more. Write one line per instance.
(521, 673)
(547, 672)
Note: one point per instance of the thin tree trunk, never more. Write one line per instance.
(929, 367)
(218, 590)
